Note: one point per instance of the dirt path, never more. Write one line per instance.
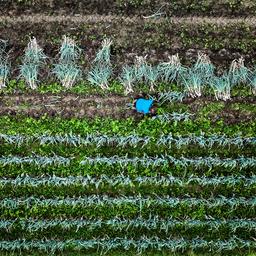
(113, 106)
(218, 37)
(228, 8)
(39, 18)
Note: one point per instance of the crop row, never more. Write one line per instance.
(122, 180)
(107, 146)
(34, 225)
(141, 245)
(183, 162)
(106, 207)
(145, 127)
(50, 186)
(143, 202)
(86, 228)
(146, 201)
(151, 150)
(146, 161)
(130, 140)
(12, 170)
(193, 79)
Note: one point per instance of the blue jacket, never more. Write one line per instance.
(143, 105)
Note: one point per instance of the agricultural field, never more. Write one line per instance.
(83, 173)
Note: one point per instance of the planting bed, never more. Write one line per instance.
(82, 173)
(223, 39)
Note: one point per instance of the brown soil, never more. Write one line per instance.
(133, 36)
(130, 7)
(112, 106)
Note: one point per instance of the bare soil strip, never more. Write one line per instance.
(39, 18)
(112, 106)
(223, 39)
(131, 7)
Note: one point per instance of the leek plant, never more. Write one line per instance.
(204, 67)
(151, 75)
(195, 77)
(100, 76)
(103, 56)
(67, 71)
(139, 68)
(127, 79)
(4, 65)
(169, 71)
(170, 96)
(32, 61)
(101, 71)
(145, 72)
(238, 73)
(192, 80)
(252, 81)
(221, 86)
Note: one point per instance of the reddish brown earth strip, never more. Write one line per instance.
(223, 39)
(112, 106)
(39, 18)
(130, 7)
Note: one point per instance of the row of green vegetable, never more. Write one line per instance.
(141, 245)
(191, 151)
(195, 186)
(133, 228)
(144, 127)
(193, 79)
(165, 164)
(104, 207)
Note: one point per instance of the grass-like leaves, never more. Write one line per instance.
(67, 71)
(32, 61)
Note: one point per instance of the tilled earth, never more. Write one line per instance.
(113, 106)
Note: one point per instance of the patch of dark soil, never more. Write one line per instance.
(130, 7)
(69, 100)
(233, 117)
(219, 38)
(234, 99)
(92, 106)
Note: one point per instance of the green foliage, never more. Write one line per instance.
(4, 64)
(221, 87)
(252, 80)
(145, 243)
(100, 76)
(67, 71)
(32, 61)
(238, 73)
(203, 67)
(132, 140)
(101, 70)
(25, 185)
(127, 78)
(192, 80)
(169, 71)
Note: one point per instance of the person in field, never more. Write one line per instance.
(144, 106)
